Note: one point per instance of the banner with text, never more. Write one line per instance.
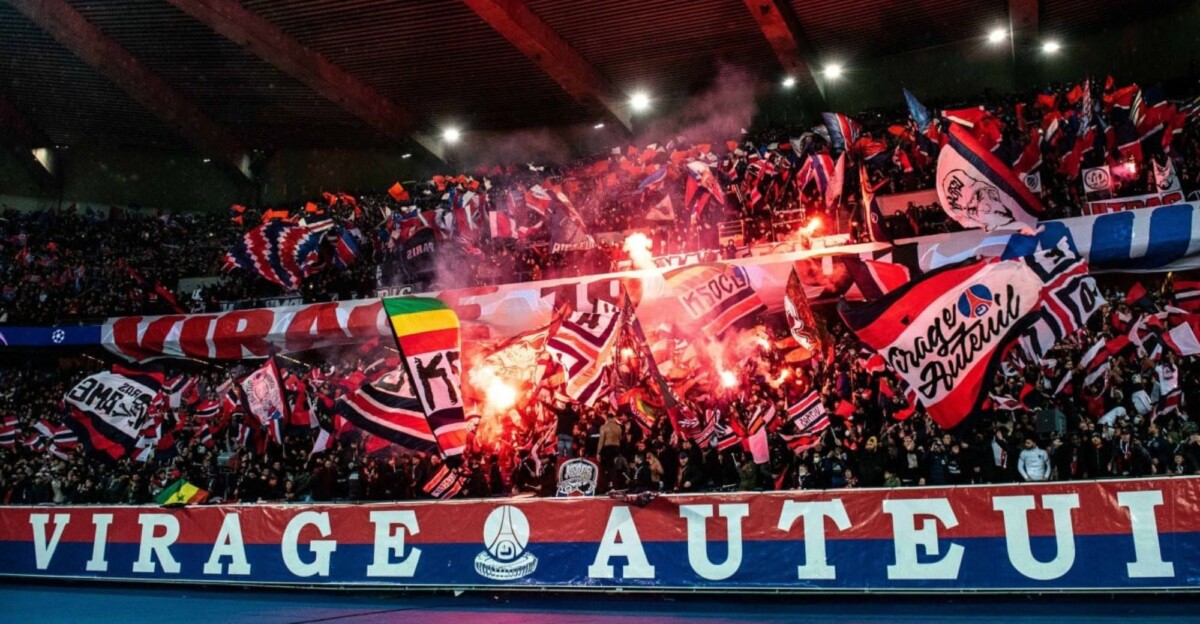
(1164, 238)
(1126, 535)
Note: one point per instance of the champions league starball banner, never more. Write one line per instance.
(1120, 535)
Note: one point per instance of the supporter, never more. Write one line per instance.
(67, 266)
(1034, 462)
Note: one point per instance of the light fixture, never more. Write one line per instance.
(996, 35)
(451, 135)
(406, 155)
(599, 125)
(639, 101)
(207, 160)
(1051, 46)
(833, 71)
(789, 82)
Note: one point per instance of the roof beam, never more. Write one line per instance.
(275, 47)
(782, 30)
(22, 138)
(1023, 31)
(514, 21)
(71, 29)
(1023, 18)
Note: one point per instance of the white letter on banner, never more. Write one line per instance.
(1147, 554)
(1016, 534)
(389, 542)
(43, 551)
(697, 543)
(816, 565)
(321, 548)
(229, 544)
(906, 538)
(621, 527)
(98, 563)
(152, 547)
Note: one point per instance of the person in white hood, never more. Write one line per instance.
(1034, 463)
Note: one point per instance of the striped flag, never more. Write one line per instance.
(208, 409)
(715, 296)
(389, 411)
(445, 483)
(1187, 295)
(8, 432)
(872, 279)
(763, 418)
(801, 442)
(282, 253)
(584, 344)
(808, 414)
(107, 409)
(843, 131)
(428, 335)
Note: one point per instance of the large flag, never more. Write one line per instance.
(843, 131)
(263, 394)
(872, 279)
(282, 253)
(427, 333)
(715, 296)
(946, 334)
(107, 410)
(979, 191)
(802, 323)
(388, 410)
(584, 345)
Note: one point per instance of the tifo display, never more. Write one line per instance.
(736, 318)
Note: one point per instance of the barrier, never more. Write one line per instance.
(1126, 535)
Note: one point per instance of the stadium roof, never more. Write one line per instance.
(224, 77)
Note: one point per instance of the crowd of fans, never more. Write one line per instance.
(79, 265)
(1130, 422)
(76, 265)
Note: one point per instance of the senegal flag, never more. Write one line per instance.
(427, 334)
(181, 493)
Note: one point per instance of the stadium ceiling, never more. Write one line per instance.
(228, 77)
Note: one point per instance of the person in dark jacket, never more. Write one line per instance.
(871, 461)
(691, 478)
(1096, 458)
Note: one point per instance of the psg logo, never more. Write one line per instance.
(505, 536)
(975, 302)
